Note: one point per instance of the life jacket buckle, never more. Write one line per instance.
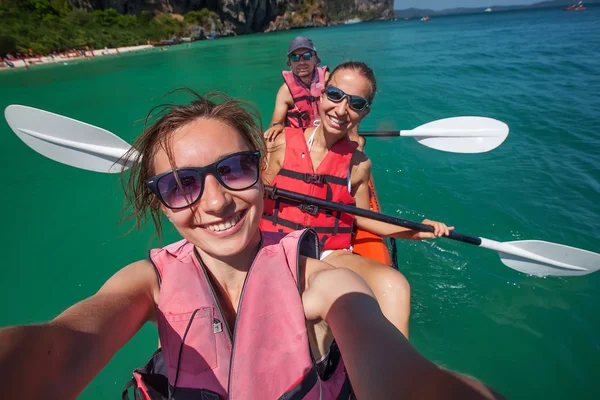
(314, 178)
(309, 209)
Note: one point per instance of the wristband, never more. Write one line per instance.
(276, 123)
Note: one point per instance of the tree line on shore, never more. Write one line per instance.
(43, 27)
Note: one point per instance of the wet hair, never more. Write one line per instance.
(362, 69)
(140, 203)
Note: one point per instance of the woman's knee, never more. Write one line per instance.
(391, 285)
(384, 280)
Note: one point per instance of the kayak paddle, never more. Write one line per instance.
(96, 149)
(533, 257)
(67, 140)
(456, 135)
(61, 138)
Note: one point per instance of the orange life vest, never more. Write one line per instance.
(329, 182)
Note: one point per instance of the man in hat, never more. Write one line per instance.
(297, 101)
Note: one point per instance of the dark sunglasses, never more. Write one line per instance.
(183, 187)
(336, 95)
(305, 56)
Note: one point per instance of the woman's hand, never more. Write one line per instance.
(274, 131)
(439, 229)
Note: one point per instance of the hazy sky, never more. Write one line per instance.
(442, 4)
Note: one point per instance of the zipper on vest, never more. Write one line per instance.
(237, 316)
(223, 321)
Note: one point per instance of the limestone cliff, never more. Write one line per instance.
(247, 16)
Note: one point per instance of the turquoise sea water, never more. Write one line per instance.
(539, 71)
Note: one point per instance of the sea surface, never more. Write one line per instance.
(538, 71)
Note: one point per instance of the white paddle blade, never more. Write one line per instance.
(562, 260)
(461, 134)
(66, 140)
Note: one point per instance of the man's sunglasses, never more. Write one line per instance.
(183, 187)
(336, 95)
(305, 56)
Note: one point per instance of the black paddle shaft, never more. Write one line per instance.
(381, 133)
(274, 192)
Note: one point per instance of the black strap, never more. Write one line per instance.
(297, 227)
(196, 394)
(336, 226)
(303, 118)
(305, 208)
(300, 390)
(154, 376)
(394, 253)
(316, 179)
(310, 98)
(187, 328)
(276, 210)
(346, 391)
(125, 394)
(298, 114)
(323, 240)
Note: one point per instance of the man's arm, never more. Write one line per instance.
(66, 353)
(283, 102)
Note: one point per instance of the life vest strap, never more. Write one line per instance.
(312, 99)
(302, 116)
(346, 393)
(306, 208)
(297, 227)
(316, 179)
(299, 391)
(298, 114)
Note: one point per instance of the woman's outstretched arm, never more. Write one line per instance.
(379, 360)
(57, 359)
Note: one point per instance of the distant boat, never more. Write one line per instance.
(352, 21)
(488, 10)
(576, 7)
(426, 18)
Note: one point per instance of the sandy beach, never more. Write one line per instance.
(73, 55)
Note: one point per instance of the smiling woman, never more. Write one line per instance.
(324, 162)
(241, 313)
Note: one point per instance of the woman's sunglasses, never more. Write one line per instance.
(305, 56)
(336, 95)
(183, 187)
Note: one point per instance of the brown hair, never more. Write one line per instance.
(140, 202)
(362, 69)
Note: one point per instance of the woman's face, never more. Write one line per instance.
(222, 223)
(339, 118)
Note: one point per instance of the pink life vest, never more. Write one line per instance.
(306, 99)
(265, 356)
